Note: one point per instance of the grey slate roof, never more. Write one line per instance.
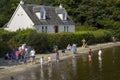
(51, 16)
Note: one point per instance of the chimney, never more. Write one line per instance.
(60, 6)
(21, 2)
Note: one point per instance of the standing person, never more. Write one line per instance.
(17, 55)
(25, 55)
(99, 52)
(20, 49)
(49, 60)
(32, 54)
(74, 49)
(28, 52)
(57, 56)
(22, 54)
(13, 56)
(90, 53)
(83, 43)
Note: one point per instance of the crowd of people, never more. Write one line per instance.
(27, 54)
(21, 54)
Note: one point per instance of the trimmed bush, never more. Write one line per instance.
(102, 36)
(21, 35)
(38, 41)
(3, 49)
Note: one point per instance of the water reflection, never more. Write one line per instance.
(20, 77)
(74, 64)
(89, 58)
(49, 72)
(33, 77)
(100, 62)
(90, 63)
(113, 54)
(41, 74)
(84, 58)
(83, 68)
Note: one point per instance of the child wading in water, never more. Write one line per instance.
(99, 52)
(90, 55)
(49, 60)
(57, 56)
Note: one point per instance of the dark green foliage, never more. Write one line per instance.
(3, 48)
(96, 13)
(102, 36)
(60, 39)
(84, 28)
(38, 41)
(21, 35)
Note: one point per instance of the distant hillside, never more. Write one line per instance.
(96, 13)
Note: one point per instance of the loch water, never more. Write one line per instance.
(106, 67)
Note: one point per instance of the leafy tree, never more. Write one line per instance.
(84, 12)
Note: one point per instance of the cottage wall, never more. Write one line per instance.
(19, 20)
(42, 28)
(51, 28)
(66, 28)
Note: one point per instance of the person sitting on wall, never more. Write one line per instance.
(84, 44)
(68, 47)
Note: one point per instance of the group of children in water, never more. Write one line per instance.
(69, 48)
(73, 49)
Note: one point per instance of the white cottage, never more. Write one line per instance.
(41, 18)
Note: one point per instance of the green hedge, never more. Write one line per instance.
(38, 41)
(3, 49)
(42, 42)
(102, 36)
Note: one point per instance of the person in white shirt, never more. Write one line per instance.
(99, 56)
(49, 60)
(32, 54)
(99, 52)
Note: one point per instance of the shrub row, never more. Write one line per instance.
(42, 42)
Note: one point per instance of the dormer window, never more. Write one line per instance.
(64, 15)
(41, 14)
(61, 13)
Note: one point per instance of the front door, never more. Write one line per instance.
(56, 29)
